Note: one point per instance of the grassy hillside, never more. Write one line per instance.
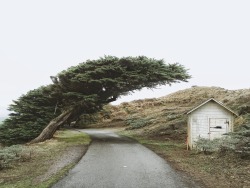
(161, 125)
(166, 116)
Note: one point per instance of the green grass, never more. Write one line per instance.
(159, 145)
(72, 137)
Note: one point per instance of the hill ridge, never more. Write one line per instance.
(166, 116)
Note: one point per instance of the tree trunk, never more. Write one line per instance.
(51, 128)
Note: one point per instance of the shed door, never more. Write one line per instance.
(218, 127)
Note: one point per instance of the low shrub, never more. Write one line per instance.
(207, 146)
(13, 153)
(242, 147)
(136, 123)
(236, 142)
(227, 143)
(244, 109)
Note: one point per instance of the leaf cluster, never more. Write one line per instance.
(30, 114)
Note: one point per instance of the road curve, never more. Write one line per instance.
(113, 161)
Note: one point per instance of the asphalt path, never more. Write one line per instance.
(114, 161)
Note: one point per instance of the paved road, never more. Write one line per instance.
(113, 161)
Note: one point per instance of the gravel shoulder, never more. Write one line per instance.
(70, 156)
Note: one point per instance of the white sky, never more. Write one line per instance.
(41, 38)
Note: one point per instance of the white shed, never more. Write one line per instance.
(209, 120)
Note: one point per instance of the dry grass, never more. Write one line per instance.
(166, 116)
(43, 156)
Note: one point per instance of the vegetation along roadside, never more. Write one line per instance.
(213, 170)
(41, 165)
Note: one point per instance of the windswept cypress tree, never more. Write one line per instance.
(87, 87)
(30, 115)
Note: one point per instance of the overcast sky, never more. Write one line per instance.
(41, 38)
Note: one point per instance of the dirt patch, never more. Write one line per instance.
(71, 155)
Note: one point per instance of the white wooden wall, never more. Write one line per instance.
(198, 121)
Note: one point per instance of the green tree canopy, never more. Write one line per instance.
(84, 89)
(30, 114)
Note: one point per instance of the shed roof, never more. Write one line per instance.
(219, 103)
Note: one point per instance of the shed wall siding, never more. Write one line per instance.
(199, 121)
